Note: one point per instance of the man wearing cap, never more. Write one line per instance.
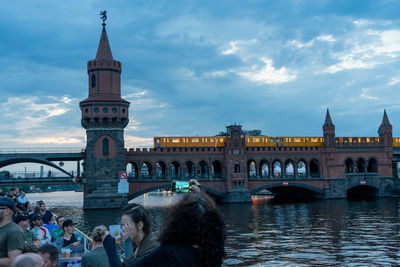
(12, 237)
(41, 232)
(30, 237)
(69, 240)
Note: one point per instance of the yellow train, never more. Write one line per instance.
(261, 141)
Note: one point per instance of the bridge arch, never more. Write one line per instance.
(146, 169)
(277, 168)
(132, 169)
(362, 191)
(372, 165)
(315, 168)
(264, 168)
(160, 169)
(251, 168)
(291, 187)
(301, 167)
(216, 170)
(360, 165)
(289, 168)
(175, 169)
(8, 162)
(202, 169)
(349, 165)
(189, 171)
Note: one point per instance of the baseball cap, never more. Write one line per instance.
(20, 218)
(8, 202)
(68, 222)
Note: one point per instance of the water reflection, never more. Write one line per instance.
(325, 233)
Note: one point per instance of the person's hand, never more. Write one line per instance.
(106, 233)
(127, 231)
(194, 186)
(76, 243)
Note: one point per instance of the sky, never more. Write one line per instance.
(193, 67)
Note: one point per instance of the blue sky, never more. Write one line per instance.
(193, 67)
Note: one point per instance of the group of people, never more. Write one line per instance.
(193, 235)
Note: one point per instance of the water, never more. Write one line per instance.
(324, 233)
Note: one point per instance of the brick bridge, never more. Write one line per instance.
(241, 165)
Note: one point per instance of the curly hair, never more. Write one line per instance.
(195, 221)
(137, 213)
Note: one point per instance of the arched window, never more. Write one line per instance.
(105, 147)
(349, 166)
(237, 167)
(93, 81)
(372, 165)
(360, 165)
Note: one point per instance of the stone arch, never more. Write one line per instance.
(160, 169)
(264, 168)
(132, 169)
(362, 191)
(202, 169)
(277, 168)
(146, 170)
(372, 165)
(175, 169)
(315, 168)
(251, 168)
(189, 171)
(349, 165)
(289, 168)
(301, 168)
(360, 165)
(270, 187)
(216, 169)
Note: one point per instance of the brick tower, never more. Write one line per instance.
(104, 116)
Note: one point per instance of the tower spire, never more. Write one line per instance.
(328, 120)
(385, 119)
(104, 50)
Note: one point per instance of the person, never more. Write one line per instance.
(69, 239)
(12, 237)
(52, 225)
(58, 231)
(193, 236)
(135, 222)
(37, 227)
(46, 214)
(49, 254)
(22, 198)
(28, 259)
(97, 257)
(30, 237)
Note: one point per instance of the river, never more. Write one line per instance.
(317, 233)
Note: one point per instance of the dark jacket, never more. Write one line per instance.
(146, 247)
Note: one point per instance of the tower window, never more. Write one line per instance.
(105, 147)
(93, 81)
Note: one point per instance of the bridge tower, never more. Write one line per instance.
(236, 166)
(104, 116)
(328, 130)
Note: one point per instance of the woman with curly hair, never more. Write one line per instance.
(194, 235)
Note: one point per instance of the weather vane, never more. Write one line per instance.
(103, 16)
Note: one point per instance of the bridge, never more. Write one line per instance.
(231, 165)
(10, 156)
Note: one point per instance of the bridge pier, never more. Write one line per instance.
(105, 196)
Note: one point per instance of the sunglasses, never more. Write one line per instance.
(139, 208)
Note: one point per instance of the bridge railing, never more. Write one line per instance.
(23, 175)
(41, 150)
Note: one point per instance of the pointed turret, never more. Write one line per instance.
(385, 130)
(104, 50)
(329, 130)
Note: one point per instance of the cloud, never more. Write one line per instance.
(394, 80)
(366, 50)
(267, 73)
(134, 141)
(46, 140)
(321, 38)
(232, 50)
(366, 96)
